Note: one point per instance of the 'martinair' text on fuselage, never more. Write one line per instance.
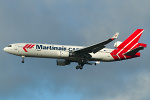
(55, 48)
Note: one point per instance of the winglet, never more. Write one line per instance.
(115, 36)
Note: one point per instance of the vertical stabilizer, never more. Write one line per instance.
(131, 43)
(131, 40)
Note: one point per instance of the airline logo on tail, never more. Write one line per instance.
(130, 47)
(28, 46)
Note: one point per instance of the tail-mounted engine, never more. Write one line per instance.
(116, 44)
(62, 62)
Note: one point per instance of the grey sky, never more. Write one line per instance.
(73, 22)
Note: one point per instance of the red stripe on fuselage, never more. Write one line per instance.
(28, 46)
(32, 46)
(24, 48)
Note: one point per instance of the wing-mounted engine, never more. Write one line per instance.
(62, 62)
(116, 44)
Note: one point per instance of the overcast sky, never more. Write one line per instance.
(73, 22)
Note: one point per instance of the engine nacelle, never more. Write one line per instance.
(62, 62)
(116, 44)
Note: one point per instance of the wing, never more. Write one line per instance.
(95, 48)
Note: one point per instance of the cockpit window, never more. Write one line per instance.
(10, 46)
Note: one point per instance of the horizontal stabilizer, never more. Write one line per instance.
(134, 51)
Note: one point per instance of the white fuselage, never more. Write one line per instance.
(54, 51)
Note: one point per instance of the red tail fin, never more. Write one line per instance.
(129, 44)
(131, 40)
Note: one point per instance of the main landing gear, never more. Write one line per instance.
(80, 66)
(22, 58)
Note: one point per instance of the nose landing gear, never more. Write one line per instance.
(22, 58)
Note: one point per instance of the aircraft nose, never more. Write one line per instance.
(5, 49)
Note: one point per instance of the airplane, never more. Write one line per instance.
(65, 54)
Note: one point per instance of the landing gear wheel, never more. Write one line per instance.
(81, 67)
(22, 61)
(77, 67)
